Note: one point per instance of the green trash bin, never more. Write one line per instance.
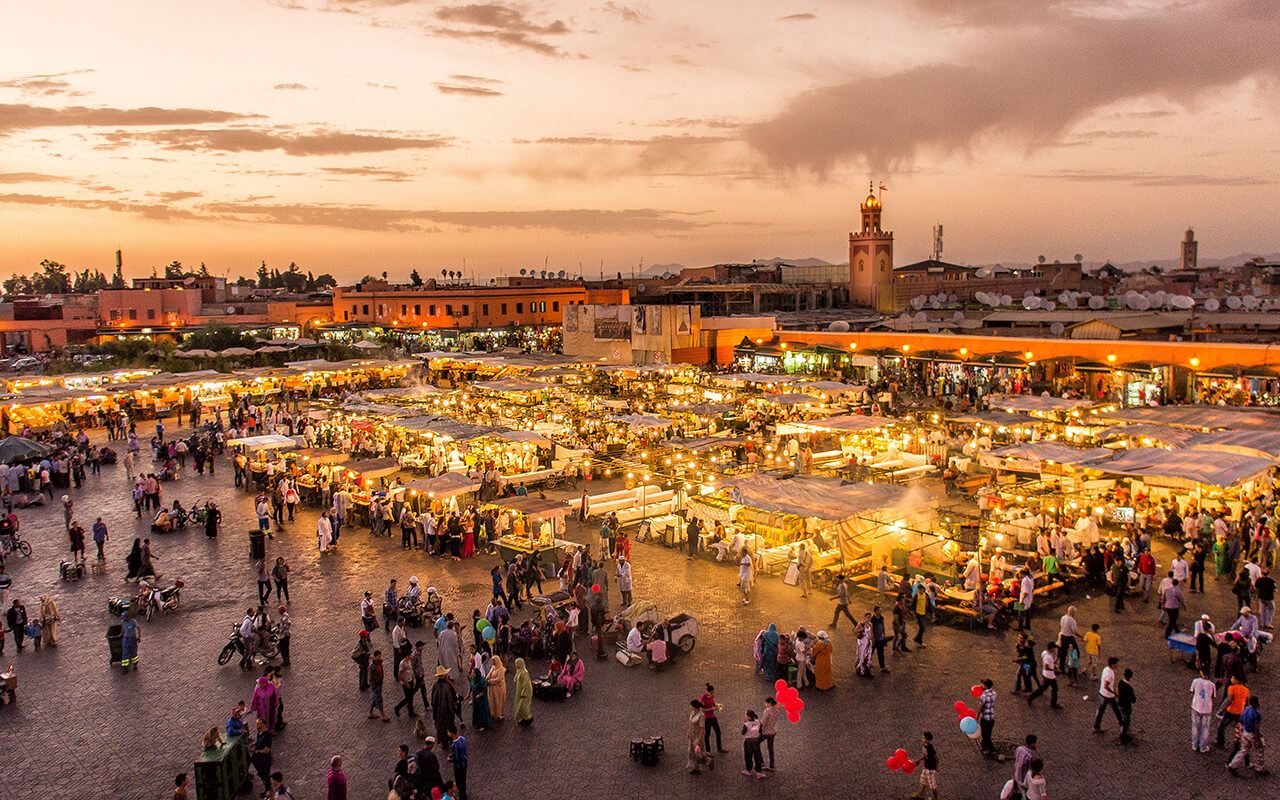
(220, 774)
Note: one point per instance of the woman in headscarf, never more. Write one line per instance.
(49, 619)
(693, 736)
(264, 702)
(324, 533)
(524, 694)
(572, 674)
(337, 780)
(822, 677)
(134, 560)
(497, 680)
(769, 653)
(479, 700)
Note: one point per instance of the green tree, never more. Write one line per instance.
(217, 336)
(53, 279)
(325, 280)
(174, 271)
(264, 277)
(415, 278)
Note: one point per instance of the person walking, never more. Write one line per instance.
(769, 727)
(404, 675)
(280, 575)
(751, 746)
(693, 737)
(130, 635)
(1203, 692)
(923, 601)
(420, 674)
(458, 757)
(367, 617)
(362, 655)
(841, 598)
(1049, 676)
(1107, 689)
(375, 686)
(264, 516)
(523, 709)
(1037, 787)
(335, 780)
(1026, 594)
(1126, 697)
(285, 633)
(804, 566)
(49, 619)
(927, 763)
(1231, 708)
(497, 687)
(623, 571)
(746, 576)
(446, 705)
(987, 715)
(1251, 743)
(1172, 601)
(712, 723)
(100, 537)
(264, 581)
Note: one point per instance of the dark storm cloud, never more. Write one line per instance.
(1027, 84)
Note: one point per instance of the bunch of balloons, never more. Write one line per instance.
(789, 698)
(900, 761)
(967, 717)
(485, 630)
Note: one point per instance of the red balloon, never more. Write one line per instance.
(793, 693)
(969, 712)
(960, 706)
(797, 704)
(793, 716)
(908, 767)
(900, 755)
(779, 685)
(595, 587)
(976, 691)
(892, 764)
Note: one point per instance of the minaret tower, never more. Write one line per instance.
(871, 258)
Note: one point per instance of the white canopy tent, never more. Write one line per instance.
(1034, 457)
(267, 441)
(1184, 468)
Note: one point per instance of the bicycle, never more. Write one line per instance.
(14, 541)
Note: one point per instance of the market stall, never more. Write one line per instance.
(531, 525)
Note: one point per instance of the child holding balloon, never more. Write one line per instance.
(928, 764)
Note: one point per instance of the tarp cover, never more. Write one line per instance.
(1260, 444)
(374, 467)
(1031, 402)
(446, 484)
(642, 421)
(752, 377)
(849, 423)
(1174, 437)
(446, 427)
(267, 441)
(702, 443)
(1006, 418)
(509, 385)
(1197, 417)
(1050, 451)
(1185, 467)
(793, 399)
(824, 498)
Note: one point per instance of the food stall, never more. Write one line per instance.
(364, 473)
(440, 493)
(531, 525)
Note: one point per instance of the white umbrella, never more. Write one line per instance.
(273, 349)
(196, 354)
(367, 345)
(305, 342)
(237, 351)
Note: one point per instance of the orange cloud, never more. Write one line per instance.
(16, 117)
(250, 140)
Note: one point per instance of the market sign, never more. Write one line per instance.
(613, 323)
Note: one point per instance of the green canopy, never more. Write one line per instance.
(14, 449)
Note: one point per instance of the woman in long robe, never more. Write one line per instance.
(863, 633)
(324, 533)
(573, 673)
(264, 703)
(693, 735)
(524, 694)
(134, 560)
(822, 673)
(479, 700)
(497, 680)
(769, 653)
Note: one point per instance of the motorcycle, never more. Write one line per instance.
(198, 512)
(157, 599)
(250, 656)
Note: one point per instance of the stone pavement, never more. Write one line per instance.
(82, 730)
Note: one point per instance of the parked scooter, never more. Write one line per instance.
(157, 599)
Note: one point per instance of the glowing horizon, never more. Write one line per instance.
(356, 136)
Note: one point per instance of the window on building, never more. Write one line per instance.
(151, 313)
(555, 306)
(404, 309)
(345, 316)
(364, 309)
(417, 310)
(519, 308)
(484, 309)
(504, 308)
(133, 313)
(431, 309)
(465, 310)
(542, 307)
(448, 310)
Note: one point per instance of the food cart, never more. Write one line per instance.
(531, 525)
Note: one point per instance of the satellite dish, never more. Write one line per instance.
(1049, 306)
(1184, 302)
(921, 315)
(1071, 302)
(1251, 302)
(1006, 300)
(1028, 293)
(1097, 302)
(958, 316)
(1079, 258)
(1063, 297)
(1233, 303)
(1041, 259)
(981, 297)
(983, 272)
(1257, 291)
(640, 288)
(1158, 298)
(934, 304)
(839, 326)
(231, 310)
(1140, 303)
(1211, 304)
(1057, 328)
(932, 329)
(917, 302)
(1031, 302)
(951, 298)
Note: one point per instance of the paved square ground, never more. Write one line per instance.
(82, 730)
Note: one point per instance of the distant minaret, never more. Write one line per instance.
(871, 259)
(1190, 250)
(119, 281)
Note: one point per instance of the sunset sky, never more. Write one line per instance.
(355, 136)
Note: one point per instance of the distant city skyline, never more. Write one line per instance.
(356, 136)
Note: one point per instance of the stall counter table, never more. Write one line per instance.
(509, 548)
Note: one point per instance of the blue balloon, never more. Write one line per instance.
(968, 726)
(489, 635)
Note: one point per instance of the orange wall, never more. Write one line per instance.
(1208, 354)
